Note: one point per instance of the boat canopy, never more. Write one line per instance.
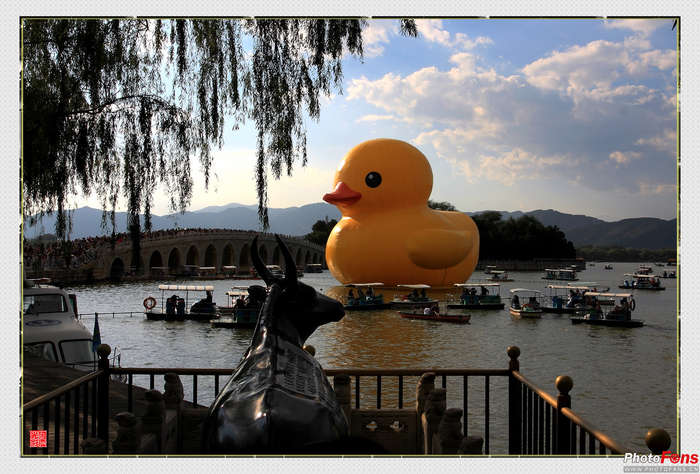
(523, 290)
(238, 291)
(469, 285)
(416, 287)
(611, 295)
(640, 276)
(230, 267)
(186, 287)
(355, 285)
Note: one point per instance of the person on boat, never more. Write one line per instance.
(463, 296)
(427, 311)
(415, 310)
(484, 291)
(516, 302)
(598, 309)
(360, 293)
(370, 292)
(472, 292)
(351, 297)
(422, 293)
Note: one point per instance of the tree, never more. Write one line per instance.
(441, 206)
(320, 231)
(525, 238)
(118, 107)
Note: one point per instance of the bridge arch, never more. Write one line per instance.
(116, 269)
(244, 258)
(262, 251)
(229, 255)
(192, 255)
(174, 261)
(156, 260)
(210, 256)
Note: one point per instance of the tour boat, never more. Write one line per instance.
(173, 308)
(564, 274)
(499, 275)
(641, 282)
(608, 266)
(208, 273)
(607, 313)
(413, 298)
(522, 307)
(490, 269)
(51, 328)
(242, 311)
(478, 296)
(366, 298)
(314, 268)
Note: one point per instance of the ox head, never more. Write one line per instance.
(293, 302)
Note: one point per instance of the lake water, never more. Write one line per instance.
(624, 378)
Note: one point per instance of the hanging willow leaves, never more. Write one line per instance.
(118, 107)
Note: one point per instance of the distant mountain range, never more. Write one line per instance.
(650, 233)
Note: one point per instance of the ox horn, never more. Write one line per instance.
(290, 271)
(262, 269)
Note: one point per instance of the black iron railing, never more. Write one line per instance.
(536, 422)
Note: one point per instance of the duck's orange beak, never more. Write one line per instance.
(342, 195)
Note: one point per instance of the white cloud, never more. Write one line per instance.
(374, 118)
(624, 157)
(643, 27)
(580, 115)
(431, 30)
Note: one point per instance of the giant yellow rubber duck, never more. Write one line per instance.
(388, 233)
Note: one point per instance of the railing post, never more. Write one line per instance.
(658, 440)
(564, 384)
(514, 403)
(341, 388)
(103, 352)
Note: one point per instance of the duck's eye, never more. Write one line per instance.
(373, 179)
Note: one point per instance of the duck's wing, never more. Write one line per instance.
(435, 249)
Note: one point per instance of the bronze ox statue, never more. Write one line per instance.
(278, 400)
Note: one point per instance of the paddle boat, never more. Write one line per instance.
(478, 296)
(665, 274)
(563, 299)
(51, 328)
(564, 274)
(414, 297)
(609, 314)
(525, 303)
(641, 282)
(314, 268)
(208, 273)
(228, 271)
(366, 297)
(173, 308)
(608, 266)
(160, 273)
(242, 312)
(644, 270)
(432, 313)
(499, 275)
(490, 269)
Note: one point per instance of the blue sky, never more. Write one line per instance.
(576, 115)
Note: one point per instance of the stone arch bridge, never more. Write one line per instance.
(182, 252)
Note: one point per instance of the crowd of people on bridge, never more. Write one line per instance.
(61, 254)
